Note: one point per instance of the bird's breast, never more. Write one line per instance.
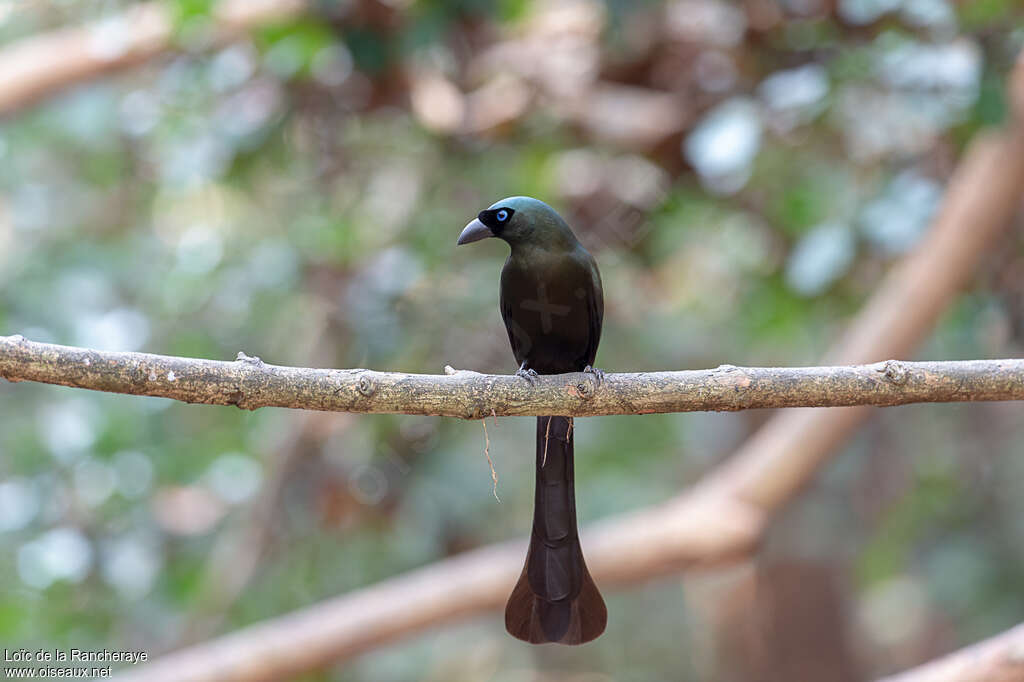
(546, 312)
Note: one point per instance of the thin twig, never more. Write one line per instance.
(487, 454)
(547, 433)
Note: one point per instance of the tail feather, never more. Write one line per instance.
(555, 599)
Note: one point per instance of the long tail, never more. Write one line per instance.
(555, 599)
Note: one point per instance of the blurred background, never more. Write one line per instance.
(743, 172)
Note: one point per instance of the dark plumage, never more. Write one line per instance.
(553, 305)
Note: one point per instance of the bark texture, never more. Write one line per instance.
(249, 383)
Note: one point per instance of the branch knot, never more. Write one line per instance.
(895, 372)
(249, 359)
(584, 389)
(366, 386)
(237, 398)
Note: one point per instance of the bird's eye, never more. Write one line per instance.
(502, 215)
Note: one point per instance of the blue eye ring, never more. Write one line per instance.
(496, 218)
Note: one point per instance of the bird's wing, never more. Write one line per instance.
(595, 309)
(511, 326)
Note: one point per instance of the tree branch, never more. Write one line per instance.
(41, 65)
(997, 659)
(696, 530)
(250, 383)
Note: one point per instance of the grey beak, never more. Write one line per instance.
(474, 232)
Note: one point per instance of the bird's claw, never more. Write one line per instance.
(528, 374)
(598, 373)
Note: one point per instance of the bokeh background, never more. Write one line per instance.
(744, 174)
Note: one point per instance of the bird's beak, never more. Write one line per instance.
(474, 232)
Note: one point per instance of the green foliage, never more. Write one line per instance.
(976, 15)
(191, 20)
(290, 48)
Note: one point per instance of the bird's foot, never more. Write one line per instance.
(528, 374)
(598, 373)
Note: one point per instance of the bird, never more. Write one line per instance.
(552, 304)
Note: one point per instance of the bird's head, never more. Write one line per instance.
(519, 221)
